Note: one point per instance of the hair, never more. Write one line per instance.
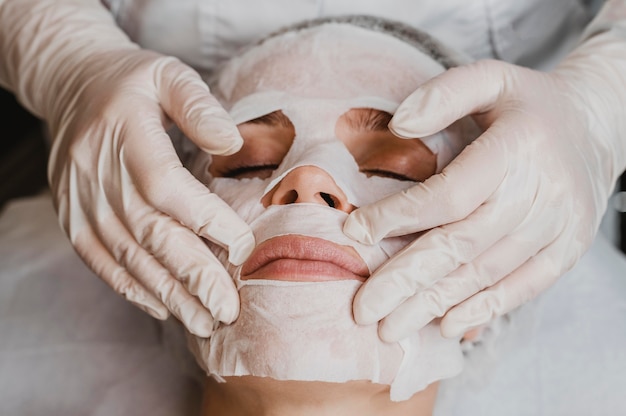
(419, 39)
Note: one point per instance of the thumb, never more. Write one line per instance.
(186, 99)
(452, 95)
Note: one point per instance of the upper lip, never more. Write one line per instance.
(301, 247)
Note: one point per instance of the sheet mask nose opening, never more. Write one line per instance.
(308, 184)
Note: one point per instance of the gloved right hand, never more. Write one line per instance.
(131, 210)
(519, 206)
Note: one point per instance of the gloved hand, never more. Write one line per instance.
(131, 210)
(518, 207)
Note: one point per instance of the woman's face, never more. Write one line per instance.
(374, 149)
(313, 109)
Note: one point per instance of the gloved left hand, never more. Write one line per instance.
(519, 206)
(134, 214)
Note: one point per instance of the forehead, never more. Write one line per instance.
(334, 61)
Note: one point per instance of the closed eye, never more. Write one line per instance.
(378, 152)
(257, 171)
(388, 174)
(266, 141)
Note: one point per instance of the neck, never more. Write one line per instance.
(250, 395)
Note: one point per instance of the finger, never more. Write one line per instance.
(432, 256)
(441, 199)
(95, 255)
(492, 265)
(165, 184)
(522, 285)
(90, 249)
(186, 257)
(187, 100)
(147, 270)
(456, 93)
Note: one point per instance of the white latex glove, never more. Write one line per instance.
(131, 210)
(519, 206)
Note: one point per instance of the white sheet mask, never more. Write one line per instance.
(378, 67)
(305, 330)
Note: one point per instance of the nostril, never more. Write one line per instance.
(289, 198)
(307, 185)
(329, 199)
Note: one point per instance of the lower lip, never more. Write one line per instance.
(302, 271)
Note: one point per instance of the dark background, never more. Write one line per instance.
(23, 152)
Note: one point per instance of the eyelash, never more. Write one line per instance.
(242, 170)
(387, 174)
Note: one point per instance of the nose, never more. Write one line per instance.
(308, 184)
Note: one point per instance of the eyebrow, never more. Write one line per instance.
(360, 119)
(274, 119)
(368, 119)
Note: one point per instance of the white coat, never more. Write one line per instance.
(203, 33)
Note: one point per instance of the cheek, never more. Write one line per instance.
(242, 195)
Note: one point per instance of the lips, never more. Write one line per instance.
(301, 258)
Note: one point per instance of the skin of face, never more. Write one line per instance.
(388, 73)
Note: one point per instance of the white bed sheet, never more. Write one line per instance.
(563, 354)
(70, 346)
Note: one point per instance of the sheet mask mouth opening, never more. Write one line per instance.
(297, 257)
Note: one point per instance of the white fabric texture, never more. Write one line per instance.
(532, 32)
(305, 331)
